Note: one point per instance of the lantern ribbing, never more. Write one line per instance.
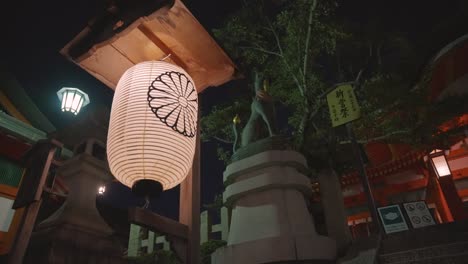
(153, 125)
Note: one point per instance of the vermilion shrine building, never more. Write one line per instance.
(21, 125)
(397, 172)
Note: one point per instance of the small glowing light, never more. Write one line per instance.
(72, 99)
(101, 190)
(439, 163)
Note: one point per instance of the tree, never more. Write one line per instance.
(157, 256)
(207, 248)
(305, 48)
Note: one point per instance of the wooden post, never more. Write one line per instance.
(22, 238)
(32, 208)
(454, 202)
(189, 206)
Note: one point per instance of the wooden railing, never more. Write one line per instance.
(144, 241)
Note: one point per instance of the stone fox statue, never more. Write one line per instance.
(262, 115)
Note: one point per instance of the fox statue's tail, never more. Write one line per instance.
(236, 129)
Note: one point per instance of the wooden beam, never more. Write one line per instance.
(37, 161)
(10, 107)
(189, 203)
(8, 191)
(161, 45)
(358, 216)
(389, 190)
(460, 174)
(157, 223)
(463, 193)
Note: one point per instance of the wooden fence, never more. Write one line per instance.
(144, 241)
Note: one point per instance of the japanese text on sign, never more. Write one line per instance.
(343, 105)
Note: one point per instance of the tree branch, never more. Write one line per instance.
(262, 50)
(307, 43)
(314, 126)
(286, 63)
(278, 43)
(222, 140)
(318, 105)
(358, 77)
(378, 138)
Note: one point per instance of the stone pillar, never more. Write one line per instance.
(134, 241)
(270, 222)
(205, 227)
(83, 174)
(224, 225)
(76, 233)
(334, 210)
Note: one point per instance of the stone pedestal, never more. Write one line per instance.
(76, 233)
(270, 222)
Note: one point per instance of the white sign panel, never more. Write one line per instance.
(392, 219)
(419, 214)
(6, 213)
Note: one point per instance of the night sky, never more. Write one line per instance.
(33, 32)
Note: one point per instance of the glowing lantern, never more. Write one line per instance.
(153, 127)
(72, 99)
(439, 163)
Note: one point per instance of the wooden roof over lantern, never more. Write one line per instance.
(111, 44)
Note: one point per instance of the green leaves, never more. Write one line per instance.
(282, 39)
(218, 124)
(158, 256)
(208, 248)
(304, 50)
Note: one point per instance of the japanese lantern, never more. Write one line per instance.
(153, 126)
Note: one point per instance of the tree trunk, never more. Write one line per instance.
(303, 126)
(334, 210)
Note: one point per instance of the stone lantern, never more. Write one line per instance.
(76, 232)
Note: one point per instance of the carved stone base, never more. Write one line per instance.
(76, 233)
(270, 222)
(70, 244)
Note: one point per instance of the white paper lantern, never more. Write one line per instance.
(153, 125)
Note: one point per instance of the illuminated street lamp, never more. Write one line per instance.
(73, 99)
(439, 163)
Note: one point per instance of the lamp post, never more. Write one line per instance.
(439, 164)
(73, 99)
